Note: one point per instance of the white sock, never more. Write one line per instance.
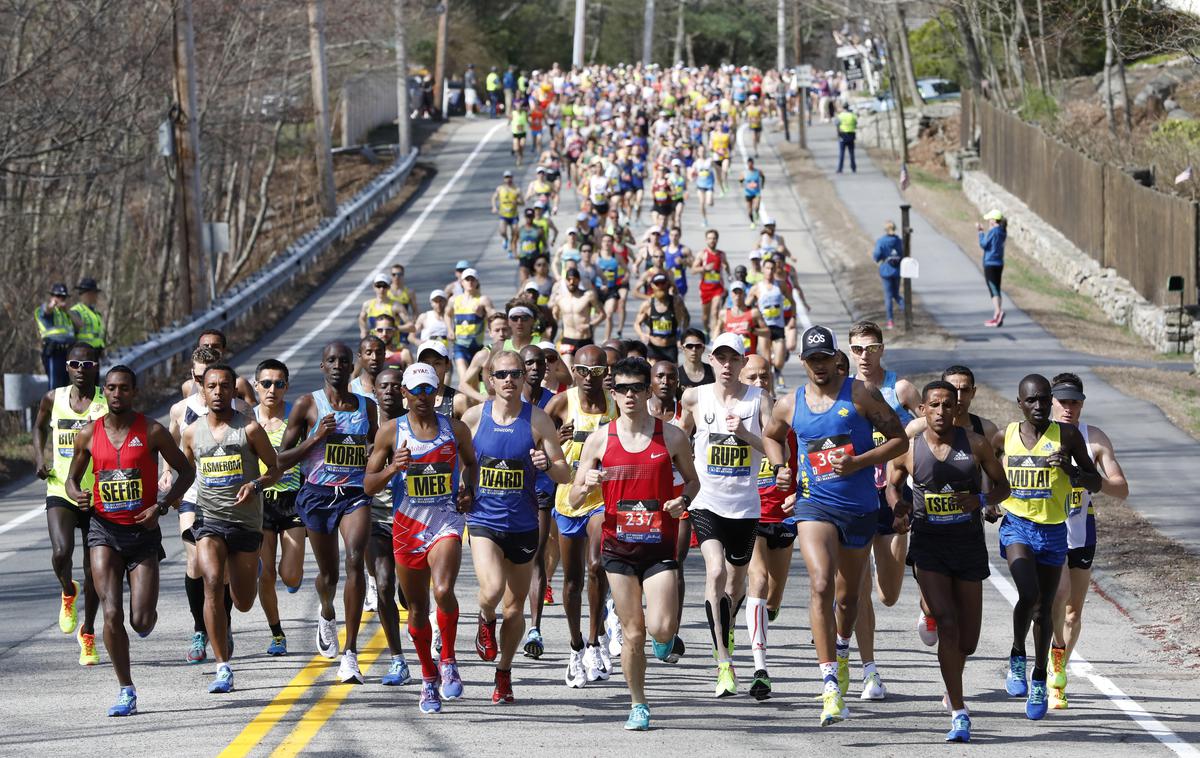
(963, 712)
(756, 629)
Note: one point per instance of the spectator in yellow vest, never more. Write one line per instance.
(91, 325)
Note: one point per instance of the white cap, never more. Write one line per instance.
(736, 285)
(470, 273)
(676, 162)
(732, 341)
(382, 278)
(768, 221)
(546, 345)
(418, 374)
(435, 294)
(756, 254)
(436, 346)
(531, 286)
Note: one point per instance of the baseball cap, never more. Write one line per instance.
(59, 290)
(817, 340)
(574, 231)
(993, 215)
(461, 265)
(508, 175)
(737, 286)
(470, 274)
(418, 374)
(87, 284)
(676, 162)
(436, 346)
(436, 294)
(382, 278)
(769, 221)
(756, 254)
(732, 341)
(1067, 391)
(582, 217)
(546, 345)
(541, 169)
(659, 277)
(531, 286)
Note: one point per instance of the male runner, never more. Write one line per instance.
(693, 369)
(513, 440)
(338, 427)
(578, 412)
(746, 321)
(837, 507)
(661, 319)
(446, 401)
(948, 552)
(531, 242)
(473, 383)
(372, 351)
(61, 414)
(753, 180)
(124, 540)
(381, 304)
(768, 296)
(534, 358)
(214, 339)
(428, 461)
(728, 418)
(631, 459)
(578, 312)
(225, 447)
(713, 267)
(1044, 461)
(1067, 390)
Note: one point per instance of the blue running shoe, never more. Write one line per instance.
(534, 646)
(430, 701)
(452, 686)
(198, 652)
(294, 590)
(397, 673)
(278, 645)
(1035, 706)
(639, 718)
(224, 681)
(1014, 682)
(662, 650)
(960, 729)
(126, 704)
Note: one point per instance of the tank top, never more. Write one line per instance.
(888, 390)
(193, 410)
(445, 406)
(712, 258)
(727, 465)
(468, 324)
(356, 386)
(585, 424)
(770, 303)
(1081, 511)
(529, 241)
(1039, 491)
(663, 324)
(752, 182)
(433, 327)
(673, 259)
(126, 480)
(505, 499)
(636, 487)
(65, 423)
(340, 459)
(820, 434)
(742, 324)
(428, 488)
(609, 273)
(686, 381)
(221, 470)
(293, 477)
(375, 309)
(543, 483)
(769, 496)
(935, 484)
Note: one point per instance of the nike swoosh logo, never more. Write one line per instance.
(653, 456)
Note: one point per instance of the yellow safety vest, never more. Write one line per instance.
(92, 326)
(847, 122)
(55, 327)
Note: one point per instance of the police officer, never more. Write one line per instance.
(57, 326)
(847, 125)
(492, 85)
(91, 325)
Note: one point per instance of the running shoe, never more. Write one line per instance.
(927, 629)
(960, 729)
(397, 673)
(87, 648)
(293, 590)
(575, 676)
(677, 650)
(639, 719)
(198, 652)
(1000, 321)
(224, 680)
(593, 664)
(726, 680)
(873, 688)
(126, 704)
(843, 672)
(1035, 705)
(452, 686)
(430, 701)
(503, 692)
(729, 644)
(612, 625)
(1058, 699)
(485, 640)
(992, 322)
(1058, 668)
(890, 324)
(327, 637)
(602, 643)
(348, 672)
(760, 688)
(548, 598)
(833, 705)
(772, 614)
(278, 645)
(371, 599)
(533, 644)
(67, 615)
(1014, 681)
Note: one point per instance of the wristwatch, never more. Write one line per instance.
(257, 485)
(163, 507)
(776, 466)
(687, 501)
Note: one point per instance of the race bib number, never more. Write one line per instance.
(1075, 501)
(751, 185)
(501, 475)
(662, 326)
(823, 451)
(639, 521)
(771, 312)
(712, 277)
(465, 328)
(64, 435)
(727, 456)
(429, 483)
(223, 468)
(120, 489)
(943, 508)
(346, 453)
(1029, 476)
(880, 471)
(766, 474)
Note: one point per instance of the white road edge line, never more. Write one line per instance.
(352, 298)
(1081, 667)
(801, 314)
(26, 516)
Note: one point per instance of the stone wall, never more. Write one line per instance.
(1157, 325)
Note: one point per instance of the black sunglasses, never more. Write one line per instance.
(693, 346)
(267, 384)
(626, 388)
(509, 373)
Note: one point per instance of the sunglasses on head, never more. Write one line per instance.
(626, 387)
(87, 365)
(593, 370)
(422, 389)
(267, 384)
(871, 349)
(509, 373)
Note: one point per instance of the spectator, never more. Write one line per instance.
(888, 252)
(91, 325)
(492, 83)
(510, 87)
(847, 125)
(470, 94)
(57, 326)
(991, 241)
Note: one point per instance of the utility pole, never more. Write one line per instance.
(906, 241)
(801, 90)
(577, 45)
(781, 36)
(439, 59)
(403, 109)
(326, 187)
(648, 34)
(189, 211)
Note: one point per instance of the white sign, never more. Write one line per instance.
(909, 268)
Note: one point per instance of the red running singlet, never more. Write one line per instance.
(126, 479)
(636, 487)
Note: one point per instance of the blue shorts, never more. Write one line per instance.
(186, 507)
(321, 508)
(575, 527)
(1047, 541)
(466, 352)
(854, 529)
(887, 516)
(509, 220)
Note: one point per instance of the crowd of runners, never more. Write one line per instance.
(550, 434)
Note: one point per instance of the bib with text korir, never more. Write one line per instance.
(345, 453)
(639, 521)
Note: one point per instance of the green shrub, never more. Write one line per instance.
(1038, 106)
(1176, 132)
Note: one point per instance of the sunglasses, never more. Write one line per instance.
(509, 373)
(198, 378)
(267, 384)
(380, 286)
(385, 330)
(593, 370)
(693, 346)
(626, 388)
(86, 365)
(871, 349)
(520, 317)
(422, 389)
(551, 357)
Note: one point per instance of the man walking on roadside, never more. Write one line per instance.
(847, 125)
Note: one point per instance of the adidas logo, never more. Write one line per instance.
(430, 470)
(946, 489)
(959, 455)
(730, 440)
(1027, 462)
(1047, 447)
(828, 444)
(638, 506)
(136, 442)
(347, 440)
(219, 451)
(502, 465)
(118, 475)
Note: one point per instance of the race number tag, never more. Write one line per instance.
(880, 471)
(712, 277)
(1075, 501)
(639, 521)
(501, 475)
(823, 449)
(727, 455)
(1029, 476)
(120, 489)
(429, 483)
(222, 467)
(346, 453)
(766, 474)
(943, 508)
(64, 435)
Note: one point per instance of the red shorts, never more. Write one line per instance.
(710, 292)
(420, 561)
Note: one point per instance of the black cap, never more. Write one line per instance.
(817, 340)
(1067, 391)
(58, 289)
(87, 284)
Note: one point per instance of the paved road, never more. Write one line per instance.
(291, 705)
